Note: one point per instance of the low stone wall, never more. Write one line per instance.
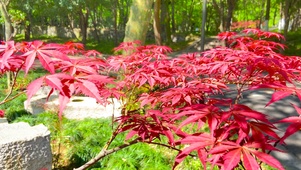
(23, 147)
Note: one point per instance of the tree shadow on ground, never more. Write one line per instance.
(257, 100)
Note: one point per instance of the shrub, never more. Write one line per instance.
(164, 97)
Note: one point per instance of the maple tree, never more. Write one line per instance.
(181, 98)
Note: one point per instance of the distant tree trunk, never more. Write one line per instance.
(261, 16)
(165, 20)
(191, 25)
(231, 6)
(83, 20)
(173, 23)
(8, 34)
(297, 20)
(93, 17)
(27, 31)
(286, 13)
(139, 20)
(27, 25)
(7, 20)
(71, 26)
(290, 6)
(275, 14)
(220, 10)
(124, 13)
(156, 24)
(267, 15)
(115, 22)
(167, 23)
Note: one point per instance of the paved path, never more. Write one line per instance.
(276, 111)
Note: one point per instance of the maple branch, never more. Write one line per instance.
(12, 87)
(240, 90)
(114, 134)
(239, 93)
(12, 98)
(105, 153)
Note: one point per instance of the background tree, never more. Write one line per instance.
(288, 8)
(139, 21)
(267, 15)
(156, 24)
(178, 18)
(7, 20)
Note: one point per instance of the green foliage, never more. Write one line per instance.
(104, 46)
(293, 43)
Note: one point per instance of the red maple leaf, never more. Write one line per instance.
(2, 113)
(295, 124)
(233, 153)
(44, 52)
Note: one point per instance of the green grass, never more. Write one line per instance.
(82, 140)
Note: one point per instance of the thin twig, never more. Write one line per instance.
(114, 134)
(104, 153)
(12, 98)
(12, 87)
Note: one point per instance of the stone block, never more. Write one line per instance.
(23, 147)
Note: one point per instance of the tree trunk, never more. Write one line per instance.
(231, 5)
(139, 20)
(191, 25)
(71, 26)
(267, 15)
(220, 10)
(286, 14)
(296, 22)
(124, 17)
(116, 22)
(167, 22)
(275, 14)
(156, 24)
(93, 17)
(290, 6)
(7, 21)
(84, 16)
(27, 25)
(27, 31)
(173, 23)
